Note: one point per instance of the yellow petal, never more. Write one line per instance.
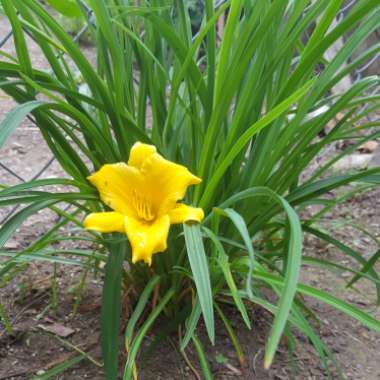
(166, 181)
(139, 153)
(183, 213)
(117, 184)
(147, 238)
(105, 222)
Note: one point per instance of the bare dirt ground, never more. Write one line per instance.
(31, 349)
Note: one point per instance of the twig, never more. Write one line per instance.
(17, 374)
(69, 345)
(21, 312)
(196, 374)
(156, 294)
(255, 359)
(175, 349)
(183, 353)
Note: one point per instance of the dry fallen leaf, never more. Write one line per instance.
(12, 244)
(58, 329)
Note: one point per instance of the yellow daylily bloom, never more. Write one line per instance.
(144, 195)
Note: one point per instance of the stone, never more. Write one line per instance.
(353, 162)
(369, 146)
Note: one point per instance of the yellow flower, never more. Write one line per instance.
(144, 196)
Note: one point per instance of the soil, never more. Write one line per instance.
(31, 349)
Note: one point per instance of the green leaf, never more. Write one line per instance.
(191, 323)
(199, 267)
(55, 371)
(327, 298)
(132, 353)
(313, 190)
(139, 308)
(15, 117)
(18, 189)
(202, 358)
(13, 223)
(293, 264)
(226, 269)
(111, 308)
(231, 333)
(366, 267)
(240, 225)
(243, 140)
(38, 256)
(5, 319)
(68, 8)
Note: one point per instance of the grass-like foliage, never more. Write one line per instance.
(238, 112)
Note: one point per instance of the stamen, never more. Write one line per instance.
(142, 207)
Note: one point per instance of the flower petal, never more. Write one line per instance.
(139, 153)
(116, 184)
(147, 238)
(167, 182)
(105, 222)
(183, 213)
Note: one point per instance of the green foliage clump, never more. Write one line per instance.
(239, 113)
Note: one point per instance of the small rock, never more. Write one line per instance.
(12, 244)
(18, 148)
(375, 162)
(351, 298)
(353, 162)
(369, 146)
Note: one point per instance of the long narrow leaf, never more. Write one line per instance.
(199, 267)
(111, 307)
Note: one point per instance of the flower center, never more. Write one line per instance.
(142, 207)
